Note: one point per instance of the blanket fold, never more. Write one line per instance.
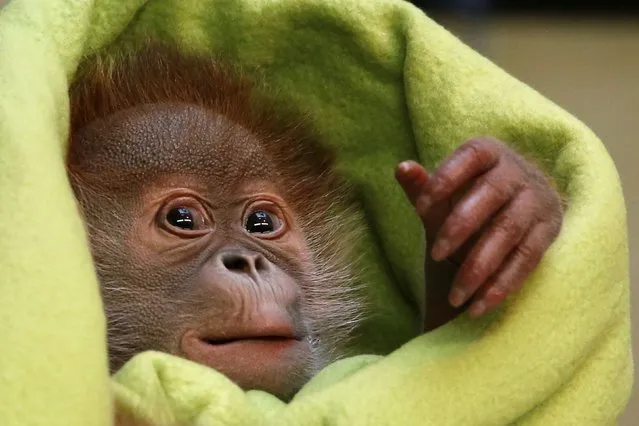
(383, 83)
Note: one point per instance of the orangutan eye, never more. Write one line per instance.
(181, 217)
(262, 222)
(184, 217)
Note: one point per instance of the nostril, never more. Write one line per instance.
(260, 263)
(236, 262)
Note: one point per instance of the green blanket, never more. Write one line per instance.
(384, 84)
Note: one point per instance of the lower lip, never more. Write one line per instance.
(271, 344)
(255, 351)
(268, 364)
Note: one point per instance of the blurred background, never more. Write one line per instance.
(584, 57)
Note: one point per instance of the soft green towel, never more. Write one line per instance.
(384, 84)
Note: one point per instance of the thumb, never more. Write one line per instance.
(414, 179)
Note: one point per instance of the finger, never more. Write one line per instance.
(470, 160)
(433, 220)
(493, 247)
(520, 264)
(413, 178)
(479, 305)
(476, 207)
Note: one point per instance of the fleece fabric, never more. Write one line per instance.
(384, 83)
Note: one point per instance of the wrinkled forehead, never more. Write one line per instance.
(167, 139)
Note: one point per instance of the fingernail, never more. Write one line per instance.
(404, 166)
(478, 309)
(457, 297)
(440, 250)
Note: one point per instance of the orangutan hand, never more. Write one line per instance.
(489, 211)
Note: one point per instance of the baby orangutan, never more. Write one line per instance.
(221, 234)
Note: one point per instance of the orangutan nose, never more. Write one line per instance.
(243, 262)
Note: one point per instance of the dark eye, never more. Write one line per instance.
(261, 222)
(184, 217)
(181, 217)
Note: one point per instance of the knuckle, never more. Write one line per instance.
(485, 142)
(497, 185)
(443, 184)
(494, 148)
(504, 283)
(422, 205)
(474, 273)
(529, 253)
(548, 205)
(509, 226)
(457, 226)
(499, 285)
(504, 287)
(513, 223)
(554, 225)
(478, 148)
(497, 293)
(555, 201)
